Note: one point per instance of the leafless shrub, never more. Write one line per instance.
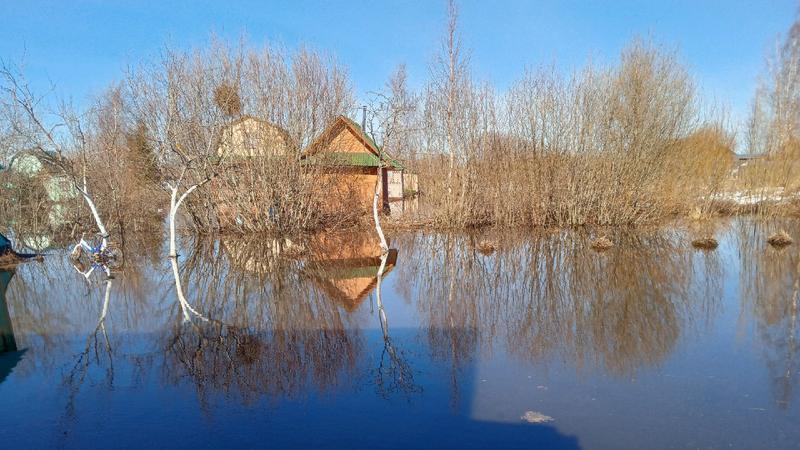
(238, 118)
(773, 129)
(604, 146)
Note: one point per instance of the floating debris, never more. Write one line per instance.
(535, 417)
(780, 239)
(601, 244)
(705, 243)
(486, 247)
(9, 258)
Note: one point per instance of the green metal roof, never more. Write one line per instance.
(393, 162)
(348, 159)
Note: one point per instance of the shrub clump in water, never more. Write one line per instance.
(601, 244)
(705, 243)
(780, 239)
(486, 247)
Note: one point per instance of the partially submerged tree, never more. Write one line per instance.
(392, 123)
(59, 134)
(175, 102)
(444, 100)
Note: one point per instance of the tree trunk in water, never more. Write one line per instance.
(174, 204)
(186, 308)
(375, 216)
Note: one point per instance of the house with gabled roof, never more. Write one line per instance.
(249, 136)
(350, 162)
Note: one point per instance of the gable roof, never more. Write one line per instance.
(312, 154)
(350, 281)
(221, 139)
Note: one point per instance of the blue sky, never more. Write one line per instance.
(82, 45)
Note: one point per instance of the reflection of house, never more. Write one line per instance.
(250, 136)
(258, 256)
(345, 265)
(349, 160)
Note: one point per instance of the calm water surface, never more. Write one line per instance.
(298, 344)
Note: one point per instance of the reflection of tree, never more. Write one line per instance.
(452, 306)
(548, 293)
(97, 349)
(770, 284)
(274, 335)
(394, 373)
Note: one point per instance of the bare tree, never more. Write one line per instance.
(57, 133)
(391, 114)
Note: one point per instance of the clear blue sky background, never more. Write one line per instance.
(82, 45)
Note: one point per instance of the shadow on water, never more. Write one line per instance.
(9, 353)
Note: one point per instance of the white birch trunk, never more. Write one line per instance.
(186, 308)
(375, 215)
(381, 312)
(174, 204)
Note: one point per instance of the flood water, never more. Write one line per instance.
(543, 343)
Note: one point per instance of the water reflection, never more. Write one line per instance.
(394, 373)
(550, 294)
(9, 354)
(770, 286)
(325, 316)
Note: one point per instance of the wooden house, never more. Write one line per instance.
(249, 137)
(350, 162)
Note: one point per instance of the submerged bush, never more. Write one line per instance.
(604, 146)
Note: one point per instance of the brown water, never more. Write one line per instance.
(291, 344)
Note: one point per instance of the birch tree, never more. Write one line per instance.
(58, 134)
(391, 124)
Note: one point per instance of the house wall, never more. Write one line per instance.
(252, 137)
(28, 165)
(395, 184)
(349, 187)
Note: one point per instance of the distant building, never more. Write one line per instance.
(38, 166)
(351, 161)
(41, 165)
(742, 160)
